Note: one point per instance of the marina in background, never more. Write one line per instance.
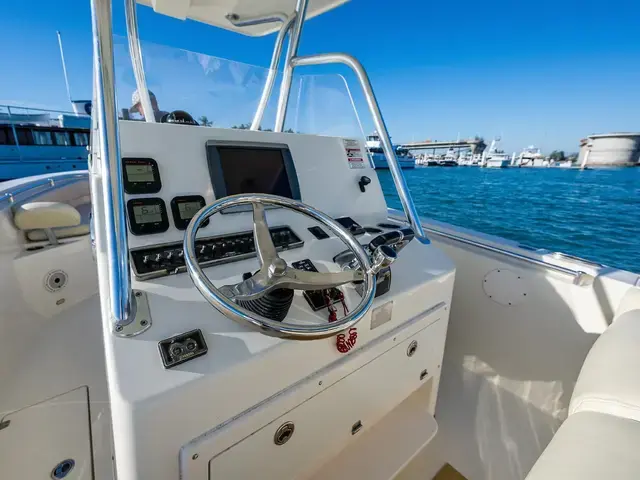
(593, 214)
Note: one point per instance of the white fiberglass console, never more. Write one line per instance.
(250, 405)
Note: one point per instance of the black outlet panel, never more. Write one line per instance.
(182, 348)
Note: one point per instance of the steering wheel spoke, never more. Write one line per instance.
(303, 280)
(265, 248)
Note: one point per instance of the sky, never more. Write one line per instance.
(544, 73)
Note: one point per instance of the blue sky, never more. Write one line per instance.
(544, 73)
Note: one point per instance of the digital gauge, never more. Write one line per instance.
(184, 208)
(141, 175)
(147, 216)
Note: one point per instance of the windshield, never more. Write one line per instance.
(225, 94)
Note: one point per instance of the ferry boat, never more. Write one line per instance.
(532, 157)
(35, 141)
(496, 158)
(315, 339)
(374, 147)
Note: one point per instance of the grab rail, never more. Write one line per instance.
(287, 22)
(580, 278)
(106, 151)
(389, 153)
(136, 60)
(9, 198)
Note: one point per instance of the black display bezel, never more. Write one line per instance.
(135, 188)
(217, 176)
(180, 223)
(151, 227)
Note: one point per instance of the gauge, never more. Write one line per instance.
(141, 175)
(184, 208)
(147, 216)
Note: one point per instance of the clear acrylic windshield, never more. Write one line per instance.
(225, 94)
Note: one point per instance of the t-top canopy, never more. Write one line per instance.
(214, 12)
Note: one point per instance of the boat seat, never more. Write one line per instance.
(609, 381)
(590, 446)
(600, 436)
(51, 220)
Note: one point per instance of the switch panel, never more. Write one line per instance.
(167, 259)
(317, 299)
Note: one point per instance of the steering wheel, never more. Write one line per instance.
(275, 273)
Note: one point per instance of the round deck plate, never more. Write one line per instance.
(505, 287)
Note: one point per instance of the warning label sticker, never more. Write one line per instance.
(354, 153)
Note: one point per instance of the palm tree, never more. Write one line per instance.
(204, 121)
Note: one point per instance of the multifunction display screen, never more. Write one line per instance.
(250, 168)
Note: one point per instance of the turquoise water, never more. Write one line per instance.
(593, 214)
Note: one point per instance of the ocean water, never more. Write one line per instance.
(593, 214)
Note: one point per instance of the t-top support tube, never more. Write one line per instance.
(287, 76)
(136, 59)
(108, 149)
(275, 58)
(398, 178)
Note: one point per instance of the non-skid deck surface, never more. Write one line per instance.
(449, 473)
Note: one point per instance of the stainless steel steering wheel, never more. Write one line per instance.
(275, 273)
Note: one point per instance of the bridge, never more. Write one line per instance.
(476, 145)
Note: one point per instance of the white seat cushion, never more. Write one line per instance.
(591, 445)
(39, 215)
(65, 232)
(609, 381)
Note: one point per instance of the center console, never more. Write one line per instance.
(214, 390)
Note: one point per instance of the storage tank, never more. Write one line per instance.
(611, 150)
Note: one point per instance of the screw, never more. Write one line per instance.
(195, 456)
(320, 382)
(119, 328)
(143, 323)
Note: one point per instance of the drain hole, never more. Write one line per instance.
(284, 433)
(63, 469)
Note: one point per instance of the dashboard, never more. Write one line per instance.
(167, 183)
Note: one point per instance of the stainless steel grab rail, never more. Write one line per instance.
(106, 151)
(136, 59)
(9, 198)
(580, 278)
(275, 57)
(287, 75)
(398, 178)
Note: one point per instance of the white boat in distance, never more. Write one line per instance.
(532, 157)
(374, 147)
(159, 323)
(495, 158)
